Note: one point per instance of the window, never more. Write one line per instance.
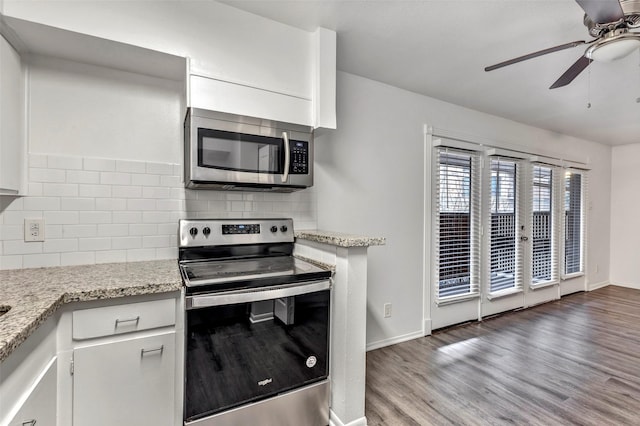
(503, 231)
(543, 262)
(573, 221)
(457, 223)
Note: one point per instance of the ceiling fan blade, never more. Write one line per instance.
(573, 71)
(602, 11)
(535, 54)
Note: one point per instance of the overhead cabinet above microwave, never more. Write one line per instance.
(233, 152)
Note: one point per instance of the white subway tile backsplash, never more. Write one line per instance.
(52, 231)
(131, 166)
(11, 232)
(157, 192)
(18, 217)
(138, 255)
(104, 210)
(83, 176)
(111, 204)
(145, 180)
(41, 260)
(79, 231)
(113, 230)
(42, 203)
(99, 164)
(77, 204)
(60, 189)
(34, 189)
(10, 247)
(47, 175)
(126, 242)
(127, 217)
(78, 258)
(95, 217)
(11, 262)
(60, 245)
(157, 241)
(143, 229)
(91, 190)
(159, 169)
(38, 160)
(111, 256)
(91, 244)
(141, 204)
(65, 163)
(61, 218)
(126, 191)
(115, 178)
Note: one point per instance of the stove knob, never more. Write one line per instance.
(274, 229)
(206, 231)
(284, 228)
(193, 231)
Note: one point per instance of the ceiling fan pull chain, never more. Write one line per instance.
(589, 88)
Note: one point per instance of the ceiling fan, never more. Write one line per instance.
(610, 22)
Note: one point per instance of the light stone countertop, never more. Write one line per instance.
(340, 240)
(35, 294)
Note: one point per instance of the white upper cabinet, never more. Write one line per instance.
(12, 116)
(238, 62)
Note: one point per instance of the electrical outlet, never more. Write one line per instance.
(34, 229)
(387, 310)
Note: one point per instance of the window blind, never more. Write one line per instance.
(573, 222)
(504, 250)
(457, 220)
(544, 260)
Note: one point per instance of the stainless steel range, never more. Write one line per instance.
(257, 326)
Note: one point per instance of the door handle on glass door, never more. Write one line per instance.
(524, 239)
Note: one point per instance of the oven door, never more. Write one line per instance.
(246, 346)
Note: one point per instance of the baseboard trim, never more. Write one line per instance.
(334, 420)
(393, 340)
(635, 286)
(596, 286)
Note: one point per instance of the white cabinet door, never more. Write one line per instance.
(40, 406)
(129, 382)
(11, 120)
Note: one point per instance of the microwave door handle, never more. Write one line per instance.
(287, 157)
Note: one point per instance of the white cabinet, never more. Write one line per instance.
(12, 113)
(129, 382)
(124, 364)
(39, 407)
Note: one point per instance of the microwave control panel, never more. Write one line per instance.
(299, 158)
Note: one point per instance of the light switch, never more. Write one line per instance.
(34, 229)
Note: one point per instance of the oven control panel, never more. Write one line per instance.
(220, 232)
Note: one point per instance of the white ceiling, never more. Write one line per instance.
(439, 48)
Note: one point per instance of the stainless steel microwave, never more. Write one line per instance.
(233, 152)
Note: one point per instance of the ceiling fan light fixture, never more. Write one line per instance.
(613, 49)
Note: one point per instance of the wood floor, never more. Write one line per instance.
(575, 361)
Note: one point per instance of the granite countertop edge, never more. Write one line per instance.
(339, 239)
(36, 294)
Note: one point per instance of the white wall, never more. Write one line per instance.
(625, 181)
(370, 174)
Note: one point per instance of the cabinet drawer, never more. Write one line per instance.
(118, 319)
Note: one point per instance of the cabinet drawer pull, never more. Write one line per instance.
(136, 320)
(31, 422)
(146, 351)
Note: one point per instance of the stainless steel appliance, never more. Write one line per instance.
(257, 326)
(228, 151)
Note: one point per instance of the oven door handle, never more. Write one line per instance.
(246, 296)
